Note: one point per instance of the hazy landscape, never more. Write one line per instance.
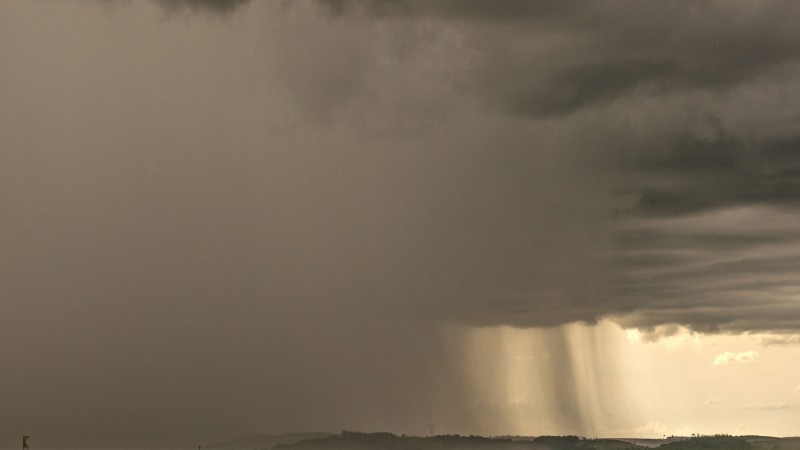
(443, 220)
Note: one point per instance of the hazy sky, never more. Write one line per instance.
(222, 218)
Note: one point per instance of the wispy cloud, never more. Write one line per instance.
(747, 357)
(670, 336)
(778, 339)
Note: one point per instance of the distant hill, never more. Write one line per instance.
(722, 442)
(771, 443)
(652, 442)
(735, 443)
(388, 441)
(379, 441)
(576, 443)
(348, 440)
(266, 441)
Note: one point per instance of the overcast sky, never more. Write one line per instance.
(222, 218)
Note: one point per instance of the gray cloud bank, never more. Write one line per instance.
(199, 207)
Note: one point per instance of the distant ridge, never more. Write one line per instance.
(267, 441)
(349, 440)
(388, 441)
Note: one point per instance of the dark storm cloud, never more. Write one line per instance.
(479, 246)
(572, 88)
(561, 57)
(716, 247)
(723, 172)
(221, 6)
(601, 51)
(474, 9)
(556, 60)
